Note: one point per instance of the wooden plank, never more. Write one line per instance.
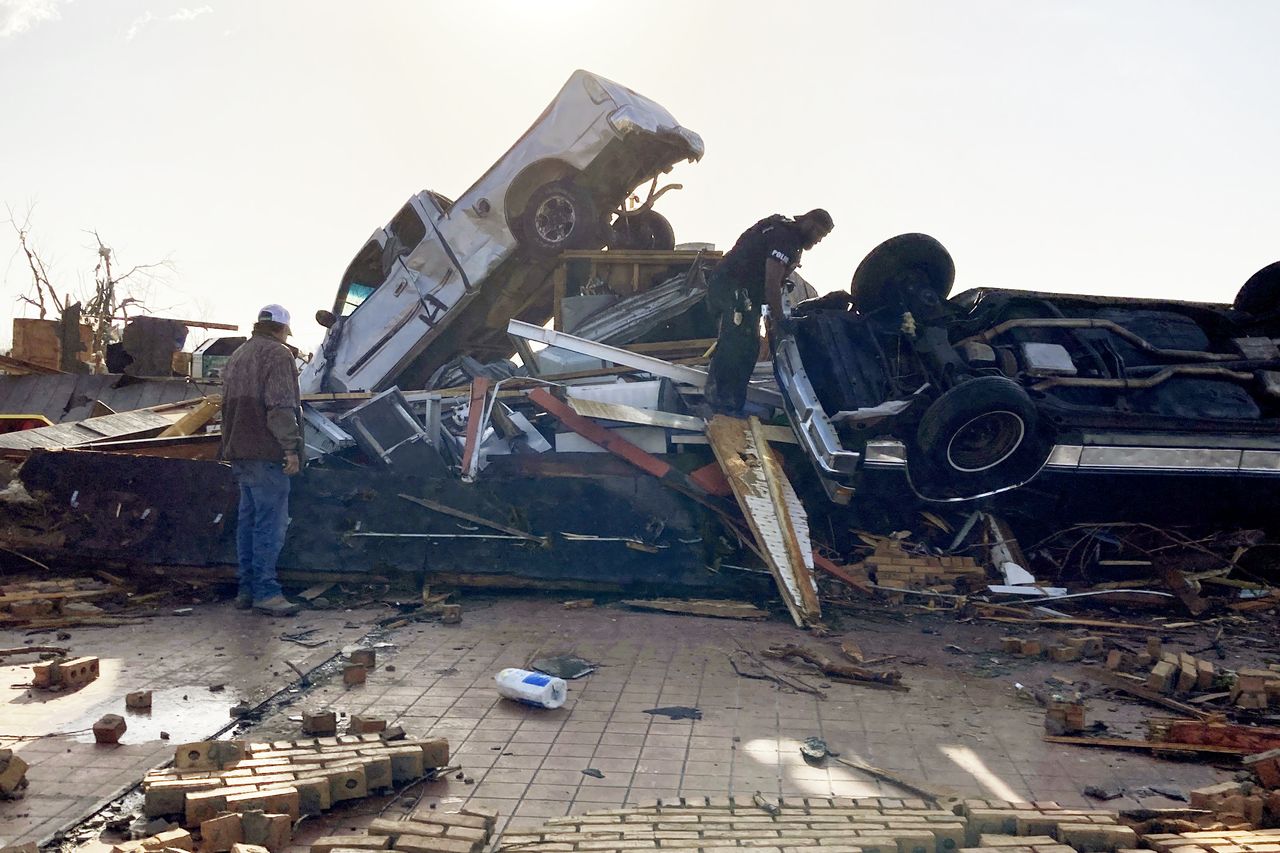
(1208, 733)
(776, 519)
(313, 592)
(11, 363)
(700, 607)
(623, 413)
(1146, 745)
(68, 595)
(199, 324)
(195, 420)
(1139, 690)
(1068, 622)
(475, 519)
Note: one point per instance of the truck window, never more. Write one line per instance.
(361, 279)
(407, 229)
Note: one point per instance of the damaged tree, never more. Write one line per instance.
(85, 325)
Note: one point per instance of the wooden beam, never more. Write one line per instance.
(195, 420)
(1139, 690)
(201, 324)
(8, 361)
(475, 519)
(1146, 745)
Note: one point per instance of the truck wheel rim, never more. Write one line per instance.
(555, 218)
(985, 441)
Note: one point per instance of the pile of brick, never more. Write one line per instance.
(13, 775)
(1238, 805)
(1170, 673)
(1226, 841)
(1068, 651)
(891, 565)
(293, 778)
(172, 839)
(25, 602)
(1256, 689)
(271, 832)
(877, 825)
(465, 831)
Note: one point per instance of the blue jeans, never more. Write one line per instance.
(261, 524)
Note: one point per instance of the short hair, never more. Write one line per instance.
(821, 217)
(269, 326)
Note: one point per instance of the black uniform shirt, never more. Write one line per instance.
(776, 237)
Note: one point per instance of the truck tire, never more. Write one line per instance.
(1260, 295)
(891, 271)
(559, 216)
(981, 436)
(646, 230)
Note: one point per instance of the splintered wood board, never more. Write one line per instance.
(772, 509)
(700, 607)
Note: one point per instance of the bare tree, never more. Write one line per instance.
(101, 309)
(44, 292)
(105, 306)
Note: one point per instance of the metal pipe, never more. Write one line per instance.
(1140, 384)
(1113, 327)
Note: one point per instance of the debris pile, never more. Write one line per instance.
(468, 830)
(871, 825)
(295, 778)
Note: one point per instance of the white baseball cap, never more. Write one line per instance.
(274, 313)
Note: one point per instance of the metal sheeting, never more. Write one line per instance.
(635, 316)
(92, 429)
(70, 397)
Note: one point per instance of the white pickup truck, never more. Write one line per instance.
(444, 277)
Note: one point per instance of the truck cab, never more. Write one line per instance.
(443, 277)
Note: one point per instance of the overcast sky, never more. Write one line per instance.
(1111, 147)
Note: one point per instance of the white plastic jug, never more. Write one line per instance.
(532, 688)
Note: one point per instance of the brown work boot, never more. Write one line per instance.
(277, 605)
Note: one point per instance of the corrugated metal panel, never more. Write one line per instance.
(70, 397)
(93, 429)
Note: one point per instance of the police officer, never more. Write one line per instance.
(750, 275)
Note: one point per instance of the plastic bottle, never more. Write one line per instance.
(532, 688)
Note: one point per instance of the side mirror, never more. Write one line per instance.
(326, 318)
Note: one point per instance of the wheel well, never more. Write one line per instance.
(534, 176)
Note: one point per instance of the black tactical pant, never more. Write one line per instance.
(734, 358)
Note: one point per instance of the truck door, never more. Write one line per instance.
(403, 315)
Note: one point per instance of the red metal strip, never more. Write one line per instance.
(711, 477)
(475, 424)
(596, 434)
(832, 569)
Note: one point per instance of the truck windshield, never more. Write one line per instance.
(361, 279)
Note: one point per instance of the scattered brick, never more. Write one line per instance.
(138, 699)
(450, 614)
(76, 673)
(109, 728)
(1163, 677)
(218, 834)
(272, 831)
(322, 723)
(365, 725)
(354, 675)
(364, 657)
(435, 752)
(1091, 837)
(330, 843)
(13, 773)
